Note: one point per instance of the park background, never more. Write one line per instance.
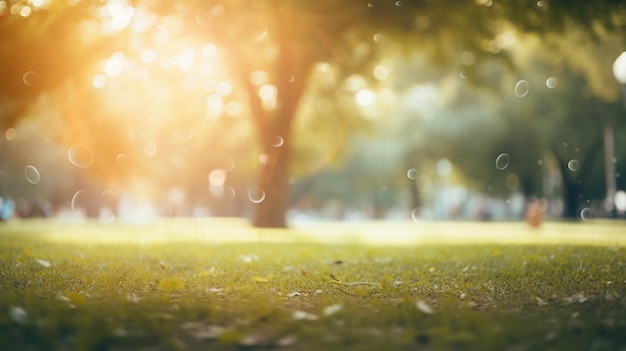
(286, 112)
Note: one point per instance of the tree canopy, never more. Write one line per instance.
(142, 72)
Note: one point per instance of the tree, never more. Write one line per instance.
(286, 40)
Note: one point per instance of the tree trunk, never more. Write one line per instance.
(271, 194)
(571, 198)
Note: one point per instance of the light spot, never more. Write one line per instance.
(120, 158)
(412, 173)
(552, 82)
(25, 11)
(233, 108)
(186, 60)
(415, 215)
(32, 174)
(77, 200)
(502, 161)
(573, 165)
(106, 215)
(365, 97)
(177, 161)
(148, 56)
(444, 167)
(30, 78)
(217, 178)
(586, 214)
(467, 58)
(150, 149)
(80, 155)
(381, 72)
(115, 65)
(259, 77)
(378, 37)
(214, 105)
(223, 88)
(99, 81)
(209, 51)
(38, 3)
(354, 83)
(256, 194)
(522, 88)
(10, 134)
(267, 92)
(277, 141)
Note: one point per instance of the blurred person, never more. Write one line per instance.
(535, 208)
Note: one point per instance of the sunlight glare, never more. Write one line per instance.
(25, 11)
(186, 60)
(39, 3)
(217, 178)
(148, 56)
(354, 82)
(214, 105)
(116, 15)
(259, 77)
(233, 108)
(115, 65)
(99, 81)
(209, 51)
(268, 94)
(365, 97)
(223, 88)
(381, 72)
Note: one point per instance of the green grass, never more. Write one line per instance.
(171, 287)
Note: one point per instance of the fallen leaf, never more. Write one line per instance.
(424, 307)
(540, 301)
(293, 294)
(203, 331)
(133, 298)
(248, 258)
(250, 340)
(577, 298)
(332, 309)
(43, 263)
(18, 315)
(286, 341)
(304, 316)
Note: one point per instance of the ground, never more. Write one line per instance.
(221, 285)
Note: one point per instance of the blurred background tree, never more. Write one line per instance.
(152, 94)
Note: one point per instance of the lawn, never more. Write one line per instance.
(220, 285)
